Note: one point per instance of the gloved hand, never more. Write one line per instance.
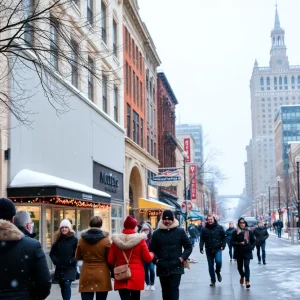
(201, 251)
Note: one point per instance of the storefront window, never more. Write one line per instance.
(104, 214)
(83, 220)
(70, 214)
(48, 227)
(58, 215)
(35, 214)
(116, 218)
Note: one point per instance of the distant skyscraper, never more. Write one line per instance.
(272, 86)
(196, 131)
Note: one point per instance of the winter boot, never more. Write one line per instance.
(242, 280)
(212, 284)
(219, 277)
(247, 284)
(264, 262)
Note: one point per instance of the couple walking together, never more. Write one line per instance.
(214, 238)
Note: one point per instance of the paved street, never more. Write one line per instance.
(279, 279)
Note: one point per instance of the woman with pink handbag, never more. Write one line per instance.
(127, 254)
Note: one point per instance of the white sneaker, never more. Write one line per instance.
(152, 288)
(148, 287)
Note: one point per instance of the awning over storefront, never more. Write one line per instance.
(30, 184)
(195, 215)
(153, 204)
(172, 203)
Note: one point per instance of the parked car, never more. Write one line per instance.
(252, 222)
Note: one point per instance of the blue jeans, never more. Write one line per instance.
(231, 253)
(193, 240)
(263, 250)
(212, 258)
(90, 296)
(65, 288)
(244, 268)
(149, 268)
(279, 232)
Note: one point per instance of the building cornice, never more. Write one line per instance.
(129, 142)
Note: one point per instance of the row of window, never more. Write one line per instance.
(137, 123)
(281, 81)
(133, 51)
(134, 87)
(295, 126)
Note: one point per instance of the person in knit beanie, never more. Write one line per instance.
(130, 247)
(62, 255)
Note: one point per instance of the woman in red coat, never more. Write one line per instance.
(132, 243)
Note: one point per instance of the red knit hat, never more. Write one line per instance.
(130, 223)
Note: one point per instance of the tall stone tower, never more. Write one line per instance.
(272, 86)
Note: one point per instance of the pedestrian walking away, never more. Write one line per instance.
(167, 244)
(213, 237)
(62, 255)
(149, 267)
(24, 223)
(279, 226)
(193, 232)
(23, 267)
(244, 242)
(93, 248)
(130, 248)
(261, 234)
(229, 233)
(199, 228)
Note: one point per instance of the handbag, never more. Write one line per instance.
(123, 272)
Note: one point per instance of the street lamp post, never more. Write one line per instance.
(256, 208)
(279, 209)
(184, 155)
(262, 204)
(298, 192)
(269, 203)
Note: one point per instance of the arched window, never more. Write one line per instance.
(275, 80)
(285, 80)
(278, 40)
(293, 80)
(299, 79)
(268, 80)
(262, 82)
(280, 80)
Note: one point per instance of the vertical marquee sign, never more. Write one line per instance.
(193, 181)
(187, 149)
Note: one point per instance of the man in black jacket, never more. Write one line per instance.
(279, 226)
(213, 236)
(23, 268)
(166, 244)
(24, 223)
(261, 234)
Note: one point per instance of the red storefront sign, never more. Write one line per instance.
(193, 180)
(187, 149)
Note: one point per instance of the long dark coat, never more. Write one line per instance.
(167, 244)
(213, 237)
(24, 274)
(62, 255)
(243, 251)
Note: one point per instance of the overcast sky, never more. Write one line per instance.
(208, 48)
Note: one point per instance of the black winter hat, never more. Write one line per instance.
(168, 215)
(7, 209)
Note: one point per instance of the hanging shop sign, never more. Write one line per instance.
(187, 149)
(167, 176)
(108, 180)
(193, 180)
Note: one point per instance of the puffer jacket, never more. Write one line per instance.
(130, 242)
(229, 232)
(24, 274)
(213, 237)
(167, 244)
(62, 255)
(93, 248)
(260, 234)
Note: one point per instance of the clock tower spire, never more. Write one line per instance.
(278, 57)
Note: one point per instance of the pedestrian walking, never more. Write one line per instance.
(93, 248)
(167, 243)
(24, 223)
(279, 226)
(148, 266)
(213, 237)
(228, 234)
(199, 228)
(261, 234)
(24, 273)
(244, 242)
(130, 248)
(193, 232)
(62, 254)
